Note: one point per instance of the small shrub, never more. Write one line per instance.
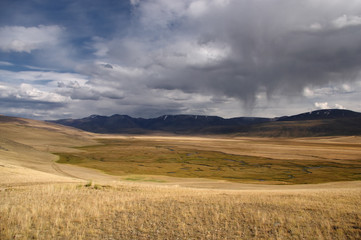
(89, 184)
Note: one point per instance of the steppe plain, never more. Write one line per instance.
(62, 183)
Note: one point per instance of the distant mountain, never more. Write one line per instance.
(330, 122)
(317, 123)
(184, 124)
(322, 115)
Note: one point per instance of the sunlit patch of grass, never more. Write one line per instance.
(134, 156)
(143, 179)
(130, 211)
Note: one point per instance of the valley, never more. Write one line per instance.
(243, 160)
(63, 183)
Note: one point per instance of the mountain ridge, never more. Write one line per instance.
(322, 114)
(314, 123)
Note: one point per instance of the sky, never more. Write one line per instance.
(147, 58)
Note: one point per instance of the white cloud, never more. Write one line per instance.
(320, 91)
(322, 105)
(346, 21)
(325, 105)
(316, 27)
(307, 92)
(338, 23)
(198, 8)
(339, 106)
(347, 88)
(100, 47)
(54, 77)
(43, 86)
(27, 39)
(208, 54)
(27, 91)
(2, 63)
(331, 90)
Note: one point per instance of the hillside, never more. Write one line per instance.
(26, 148)
(182, 124)
(325, 114)
(330, 122)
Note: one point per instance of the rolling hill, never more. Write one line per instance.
(26, 148)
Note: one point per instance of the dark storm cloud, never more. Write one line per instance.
(149, 57)
(246, 47)
(232, 50)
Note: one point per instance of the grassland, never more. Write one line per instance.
(41, 199)
(238, 160)
(70, 211)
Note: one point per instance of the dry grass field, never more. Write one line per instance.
(69, 211)
(246, 160)
(42, 199)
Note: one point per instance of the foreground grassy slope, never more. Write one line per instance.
(28, 144)
(243, 160)
(153, 212)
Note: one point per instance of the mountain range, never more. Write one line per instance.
(328, 122)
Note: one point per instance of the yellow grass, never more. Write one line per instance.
(153, 212)
(29, 144)
(40, 199)
(246, 160)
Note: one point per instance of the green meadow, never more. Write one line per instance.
(151, 157)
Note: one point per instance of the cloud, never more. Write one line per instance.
(28, 39)
(322, 105)
(222, 57)
(316, 27)
(231, 50)
(99, 46)
(2, 63)
(28, 101)
(339, 106)
(240, 49)
(27, 91)
(347, 21)
(328, 91)
(35, 89)
(198, 8)
(134, 2)
(341, 22)
(32, 76)
(325, 105)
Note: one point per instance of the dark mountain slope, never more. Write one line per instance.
(322, 115)
(317, 123)
(102, 124)
(329, 122)
(184, 124)
(306, 128)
